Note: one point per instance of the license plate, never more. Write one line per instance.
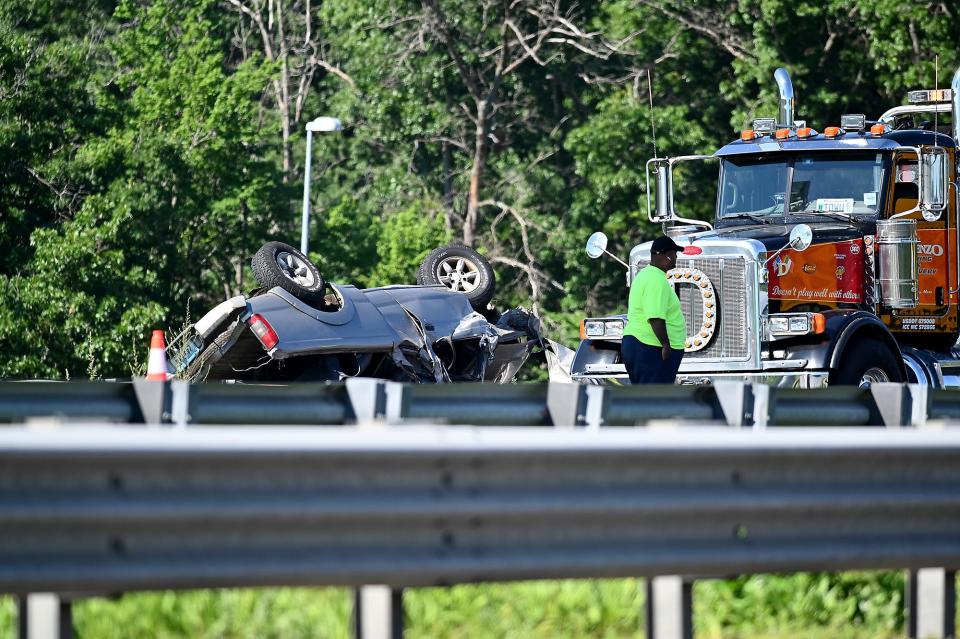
(191, 348)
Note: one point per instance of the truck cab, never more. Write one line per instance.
(832, 258)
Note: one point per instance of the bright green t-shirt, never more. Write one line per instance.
(651, 296)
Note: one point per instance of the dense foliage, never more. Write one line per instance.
(857, 605)
(147, 148)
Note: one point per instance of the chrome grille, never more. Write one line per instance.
(729, 278)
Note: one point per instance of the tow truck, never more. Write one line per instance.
(832, 259)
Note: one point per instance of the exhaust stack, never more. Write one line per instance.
(785, 85)
(955, 85)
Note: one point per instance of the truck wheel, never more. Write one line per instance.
(462, 269)
(866, 362)
(279, 264)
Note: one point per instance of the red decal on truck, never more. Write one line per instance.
(832, 272)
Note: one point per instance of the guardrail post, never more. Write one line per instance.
(931, 603)
(736, 402)
(396, 402)
(897, 403)
(164, 402)
(761, 406)
(155, 400)
(669, 608)
(368, 396)
(567, 403)
(378, 612)
(44, 615)
(595, 406)
(919, 404)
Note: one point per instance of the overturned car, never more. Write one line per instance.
(298, 327)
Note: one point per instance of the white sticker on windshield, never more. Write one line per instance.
(835, 205)
(870, 198)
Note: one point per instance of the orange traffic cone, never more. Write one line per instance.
(157, 362)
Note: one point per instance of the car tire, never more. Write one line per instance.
(460, 268)
(279, 264)
(864, 362)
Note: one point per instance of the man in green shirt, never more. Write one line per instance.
(653, 339)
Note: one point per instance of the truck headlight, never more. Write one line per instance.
(779, 324)
(593, 328)
(793, 324)
(613, 328)
(610, 328)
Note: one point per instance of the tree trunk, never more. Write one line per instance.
(283, 105)
(471, 218)
(448, 212)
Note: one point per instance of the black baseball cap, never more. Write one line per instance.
(664, 244)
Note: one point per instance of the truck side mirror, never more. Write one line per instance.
(664, 192)
(597, 244)
(800, 237)
(933, 183)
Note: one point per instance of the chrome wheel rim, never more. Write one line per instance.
(296, 269)
(873, 375)
(458, 274)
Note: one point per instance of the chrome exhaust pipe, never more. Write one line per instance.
(786, 97)
(955, 85)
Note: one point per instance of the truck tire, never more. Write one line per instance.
(865, 362)
(461, 269)
(279, 264)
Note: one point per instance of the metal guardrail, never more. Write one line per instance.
(363, 400)
(109, 509)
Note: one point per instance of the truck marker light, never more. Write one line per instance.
(264, 332)
(805, 132)
(818, 323)
(878, 129)
(833, 132)
(748, 135)
(783, 134)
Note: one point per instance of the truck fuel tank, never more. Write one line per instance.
(897, 257)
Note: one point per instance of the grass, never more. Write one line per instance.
(854, 605)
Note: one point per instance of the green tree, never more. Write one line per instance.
(182, 198)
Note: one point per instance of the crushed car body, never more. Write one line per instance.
(299, 328)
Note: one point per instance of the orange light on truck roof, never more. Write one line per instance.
(748, 135)
(783, 134)
(804, 132)
(832, 132)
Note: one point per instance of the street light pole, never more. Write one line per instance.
(324, 125)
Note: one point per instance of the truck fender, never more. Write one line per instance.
(594, 351)
(845, 327)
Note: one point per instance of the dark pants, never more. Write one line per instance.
(645, 364)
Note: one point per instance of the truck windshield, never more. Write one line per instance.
(832, 185)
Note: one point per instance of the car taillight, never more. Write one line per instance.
(264, 332)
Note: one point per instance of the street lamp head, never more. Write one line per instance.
(324, 124)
